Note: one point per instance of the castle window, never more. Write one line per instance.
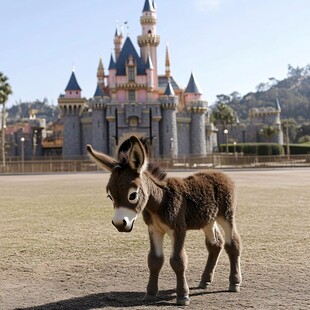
(131, 74)
(131, 96)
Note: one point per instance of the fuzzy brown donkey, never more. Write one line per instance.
(172, 206)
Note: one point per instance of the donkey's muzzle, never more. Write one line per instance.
(125, 227)
(124, 219)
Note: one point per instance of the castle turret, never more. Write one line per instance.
(150, 73)
(112, 78)
(100, 74)
(72, 106)
(149, 40)
(169, 103)
(198, 108)
(118, 41)
(99, 122)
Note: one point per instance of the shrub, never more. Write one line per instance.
(297, 149)
(255, 148)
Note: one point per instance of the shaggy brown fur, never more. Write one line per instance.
(172, 206)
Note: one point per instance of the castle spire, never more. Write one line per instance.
(169, 89)
(118, 41)
(73, 84)
(167, 62)
(100, 71)
(192, 86)
(148, 41)
(149, 6)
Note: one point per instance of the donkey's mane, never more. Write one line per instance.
(153, 168)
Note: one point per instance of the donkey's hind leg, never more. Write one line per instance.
(214, 244)
(233, 249)
(155, 262)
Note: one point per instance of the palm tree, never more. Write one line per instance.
(223, 114)
(5, 91)
(268, 132)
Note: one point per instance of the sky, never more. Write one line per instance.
(229, 45)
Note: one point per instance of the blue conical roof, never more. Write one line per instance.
(73, 84)
(148, 6)
(169, 89)
(112, 63)
(98, 92)
(192, 86)
(129, 50)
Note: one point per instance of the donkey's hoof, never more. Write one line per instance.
(204, 285)
(148, 297)
(183, 301)
(234, 288)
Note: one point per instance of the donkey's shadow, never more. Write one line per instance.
(115, 300)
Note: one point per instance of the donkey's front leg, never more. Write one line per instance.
(178, 262)
(155, 262)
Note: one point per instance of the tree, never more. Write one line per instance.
(223, 99)
(5, 91)
(269, 131)
(223, 114)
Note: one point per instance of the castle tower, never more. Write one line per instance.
(149, 40)
(198, 108)
(99, 122)
(112, 78)
(169, 103)
(118, 41)
(100, 74)
(72, 106)
(150, 75)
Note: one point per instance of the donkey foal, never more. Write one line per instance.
(172, 206)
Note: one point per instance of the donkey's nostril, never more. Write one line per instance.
(124, 223)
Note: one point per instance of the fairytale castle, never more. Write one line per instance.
(133, 98)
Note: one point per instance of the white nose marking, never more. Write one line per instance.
(124, 217)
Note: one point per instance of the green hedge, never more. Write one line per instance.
(296, 149)
(254, 148)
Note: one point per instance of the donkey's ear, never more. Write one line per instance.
(137, 155)
(101, 159)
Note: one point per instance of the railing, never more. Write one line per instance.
(17, 166)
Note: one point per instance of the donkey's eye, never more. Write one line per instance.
(133, 195)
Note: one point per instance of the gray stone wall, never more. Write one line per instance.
(99, 130)
(86, 126)
(72, 136)
(198, 134)
(169, 140)
(183, 136)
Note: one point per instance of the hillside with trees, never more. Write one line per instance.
(43, 109)
(293, 94)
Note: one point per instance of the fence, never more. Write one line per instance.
(210, 161)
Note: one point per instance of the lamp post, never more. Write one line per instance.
(235, 145)
(225, 131)
(22, 140)
(171, 150)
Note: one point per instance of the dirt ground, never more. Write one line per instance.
(58, 249)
